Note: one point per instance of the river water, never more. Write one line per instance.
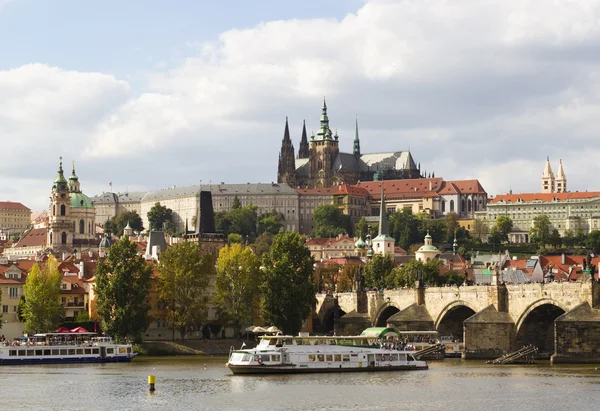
(204, 383)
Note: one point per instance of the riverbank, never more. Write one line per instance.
(191, 347)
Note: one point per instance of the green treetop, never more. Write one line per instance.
(330, 221)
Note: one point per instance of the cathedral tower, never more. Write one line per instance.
(303, 151)
(356, 145)
(548, 178)
(286, 171)
(323, 152)
(561, 179)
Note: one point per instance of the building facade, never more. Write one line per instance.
(14, 217)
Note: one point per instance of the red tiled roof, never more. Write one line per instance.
(348, 189)
(415, 185)
(468, 186)
(34, 238)
(9, 205)
(317, 191)
(527, 197)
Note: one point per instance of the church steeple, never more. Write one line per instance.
(548, 178)
(74, 185)
(60, 184)
(356, 146)
(324, 132)
(383, 221)
(286, 171)
(303, 151)
(561, 179)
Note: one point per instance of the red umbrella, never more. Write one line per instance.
(63, 330)
(79, 330)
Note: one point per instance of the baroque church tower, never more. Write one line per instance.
(60, 227)
(323, 152)
(286, 171)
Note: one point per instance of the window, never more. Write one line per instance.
(64, 237)
(451, 205)
(63, 210)
(81, 227)
(13, 292)
(5, 308)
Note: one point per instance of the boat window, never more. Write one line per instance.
(22, 353)
(12, 353)
(110, 350)
(276, 358)
(272, 341)
(320, 357)
(71, 351)
(329, 357)
(346, 357)
(47, 352)
(338, 357)
(55, 352)
(30, 353)
(38, 352)
(88, 351)
(122, 350)
(287, 341)
(311, 357)
(79, 351)
(394, 357)
(308, 342)
(95, 350)
(247, 358)
(129, 350)
(264, 357)
(63, 352)
(378, 357)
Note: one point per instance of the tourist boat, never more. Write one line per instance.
(281, 354)
(59, 348)
(422, 340)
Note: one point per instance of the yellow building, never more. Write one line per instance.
(14, 217)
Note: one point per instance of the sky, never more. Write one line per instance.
(148, 94)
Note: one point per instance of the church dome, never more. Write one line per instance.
(360, 244)
(80, 200)
(428, 249)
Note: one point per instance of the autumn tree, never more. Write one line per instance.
(262, 244)
(288, 290)
(238, 284)
(184, 274)
(327, 276)
(480, 228)
(43, 311)
(122, 286)
(451, 220)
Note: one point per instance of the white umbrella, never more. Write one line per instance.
(273, 329)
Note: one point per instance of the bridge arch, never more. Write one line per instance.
(451, 318)
(536, 325)
(385, 312)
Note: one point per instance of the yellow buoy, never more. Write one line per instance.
(151, 381)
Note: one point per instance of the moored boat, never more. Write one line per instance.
(282, 354)
(58, 348)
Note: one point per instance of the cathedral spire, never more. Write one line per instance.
(286, 132)
(324, 132)
(286, 170)
(303, 151)
(383, 221)
(60, 183)
(561, 179)
(356, 146)
(548, 178)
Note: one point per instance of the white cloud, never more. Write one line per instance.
(477, 88)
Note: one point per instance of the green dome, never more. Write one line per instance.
(428, 248)
(360, 243)
(80, 200)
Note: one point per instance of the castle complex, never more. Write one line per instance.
(320, 164)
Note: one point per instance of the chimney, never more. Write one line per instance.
(562, 258)
(90, 253)
(81, 270)
(430, 185)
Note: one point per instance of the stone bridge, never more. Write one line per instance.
(561, 319)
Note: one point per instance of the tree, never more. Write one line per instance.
(262, 244)
(451, 225)
(330, 221)
(43, 311)
(555, 240)
(234, 238)
(236, 203)
(593, 241)
(580, 236)
(119, 222)
(540, 232)
(326, 277)
(404, 228)
(21, 308)
(504, 225)
(159, 218)
(362, 228)
(183, 280)
(378, 272)
(238, 283)
(122, 286)
(480, 229)
(569, 238)
(454, 277)
(270, 223)
(496, 236)
(289, 293)
(407, 275)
